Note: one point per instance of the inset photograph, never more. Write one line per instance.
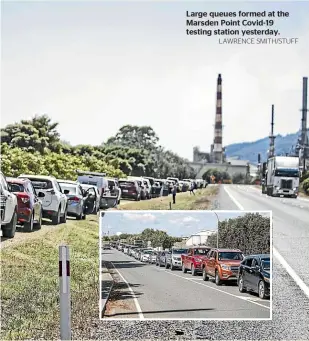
(214, 265)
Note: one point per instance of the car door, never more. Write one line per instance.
(62, 198)
(211, 264)
(34, 200)
(255, 275)
(82, 198)
(251, 273)
(245, 273)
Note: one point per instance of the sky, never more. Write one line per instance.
(176, 224)
(95, 66)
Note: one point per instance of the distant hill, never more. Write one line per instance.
(249, 150)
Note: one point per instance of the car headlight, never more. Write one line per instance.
(225, 267)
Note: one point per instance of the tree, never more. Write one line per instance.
(250, 234)
(37, 134)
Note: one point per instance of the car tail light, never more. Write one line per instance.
(76, 199)
(23, 199)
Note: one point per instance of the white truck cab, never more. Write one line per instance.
(54, 203)
(8, 207)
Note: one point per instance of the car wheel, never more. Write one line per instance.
(56, 218)
(262, 290)
(38, 225)
(217, 278)
(118, 203)
(205, 277)
(63, 219)
(241, 284)
(193, 271)
(166, 265)
(172, 267)
(184, 270)
(28, 226)
(9, 231)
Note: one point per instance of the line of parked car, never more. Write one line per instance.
(142, 188)
(29, 198)
(250, 272)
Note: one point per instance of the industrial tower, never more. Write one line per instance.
(216, 148)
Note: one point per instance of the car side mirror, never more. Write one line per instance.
(52, 192)
(41, 195)
(66, 191)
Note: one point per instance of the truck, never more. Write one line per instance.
(282, 176)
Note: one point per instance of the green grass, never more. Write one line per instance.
(30, 282)
(184, 201)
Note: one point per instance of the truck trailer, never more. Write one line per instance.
(282, 176)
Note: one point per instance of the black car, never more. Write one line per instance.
(254, 275)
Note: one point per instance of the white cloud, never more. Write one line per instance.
(146, 217)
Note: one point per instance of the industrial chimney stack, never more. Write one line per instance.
(217, 146)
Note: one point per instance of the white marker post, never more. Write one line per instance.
(65, 297)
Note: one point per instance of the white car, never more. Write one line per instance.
(145, 257)
(8, 209)
(55, 203)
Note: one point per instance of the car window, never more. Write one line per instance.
(71, 188)
(201, 251)
(248, 262)
(254, 263)
(41, 184)
(16, 187)
(91, 191)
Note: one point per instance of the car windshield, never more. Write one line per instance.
(179, 251)
(16, 187)
(41, 184)
(230, 256)
(148, 252)
(89, 182)
(201, 251)
(68, 187)
(266, 264)
(291, 173)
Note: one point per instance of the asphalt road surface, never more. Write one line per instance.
(162, 293)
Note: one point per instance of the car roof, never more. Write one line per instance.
(68, 181)
(17, 180)
(261, 255)
(226, 250)
(39, 177)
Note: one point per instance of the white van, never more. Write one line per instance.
(96, 179)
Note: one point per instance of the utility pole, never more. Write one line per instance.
(271, 136)
(304, 134)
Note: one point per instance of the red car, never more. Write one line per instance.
(29, 210)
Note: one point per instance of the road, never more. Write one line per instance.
(290, 316)
(162, 293)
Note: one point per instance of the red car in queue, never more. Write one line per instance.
(29, 210)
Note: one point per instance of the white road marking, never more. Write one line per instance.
(301, 284)
(138, 307)
(216, 289)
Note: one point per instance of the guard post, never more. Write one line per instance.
(65, 297)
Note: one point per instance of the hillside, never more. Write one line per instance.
(249, 150)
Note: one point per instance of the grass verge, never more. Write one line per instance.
(184, 201)
(30, 282)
